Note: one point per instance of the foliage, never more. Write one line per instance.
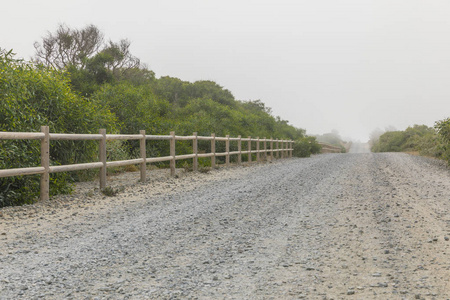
(79, 83)
(33, 96)
(333, 138)
(418, 138)
(69, 47)
(137, 108)
(179, 92)
(78, 47)
(306, 146)
(443, 129)
(391, 141)
(89, 61)
(112, 192)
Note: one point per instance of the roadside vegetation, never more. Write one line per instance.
(418, 139)
(333, 138)
(79, 83)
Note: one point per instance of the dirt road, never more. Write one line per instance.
(334, 226)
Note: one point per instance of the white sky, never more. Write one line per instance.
(349, 65)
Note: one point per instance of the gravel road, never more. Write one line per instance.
(334, 226)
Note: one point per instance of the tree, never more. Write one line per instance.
(119, 58)
(69, 47)
(88, 59)
(208, 89)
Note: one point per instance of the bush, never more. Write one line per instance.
(443, 129)
(32, 96)
(306, 146)
(418, 138)
(391, 141)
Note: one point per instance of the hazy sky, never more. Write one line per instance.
(349, 65)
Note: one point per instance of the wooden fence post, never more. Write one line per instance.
(240, 150)
(257, 149)
(271, 148)
(195, 150)
(286, 149)
(45, 162)
(102, 157)
(281, 149)
(227, 147)
(172, 153)
(265, 149)
(213, 150)
(143, 151)
(278, 147)
(292, 149)
(249, 149)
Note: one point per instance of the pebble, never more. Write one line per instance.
(305, 228)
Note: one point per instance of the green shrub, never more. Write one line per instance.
(392, 141)
(443, 129)
(112, 192)
(418, 138)
(33, 96)
(306, 146)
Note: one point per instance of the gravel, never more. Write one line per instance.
(334, 226)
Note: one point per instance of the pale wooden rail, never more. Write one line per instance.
(283, 149)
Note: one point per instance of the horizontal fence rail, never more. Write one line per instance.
(273, 148)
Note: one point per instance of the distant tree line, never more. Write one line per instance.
(79, 83)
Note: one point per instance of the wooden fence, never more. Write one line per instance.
(274, 147)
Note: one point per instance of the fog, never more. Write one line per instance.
(348, 65)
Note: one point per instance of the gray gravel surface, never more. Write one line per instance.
(335, 226)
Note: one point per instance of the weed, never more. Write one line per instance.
(111, 192)
(187, 167)
(204, 169)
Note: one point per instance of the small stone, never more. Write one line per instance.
(446, 238)
(376, 275)
(350, 292)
